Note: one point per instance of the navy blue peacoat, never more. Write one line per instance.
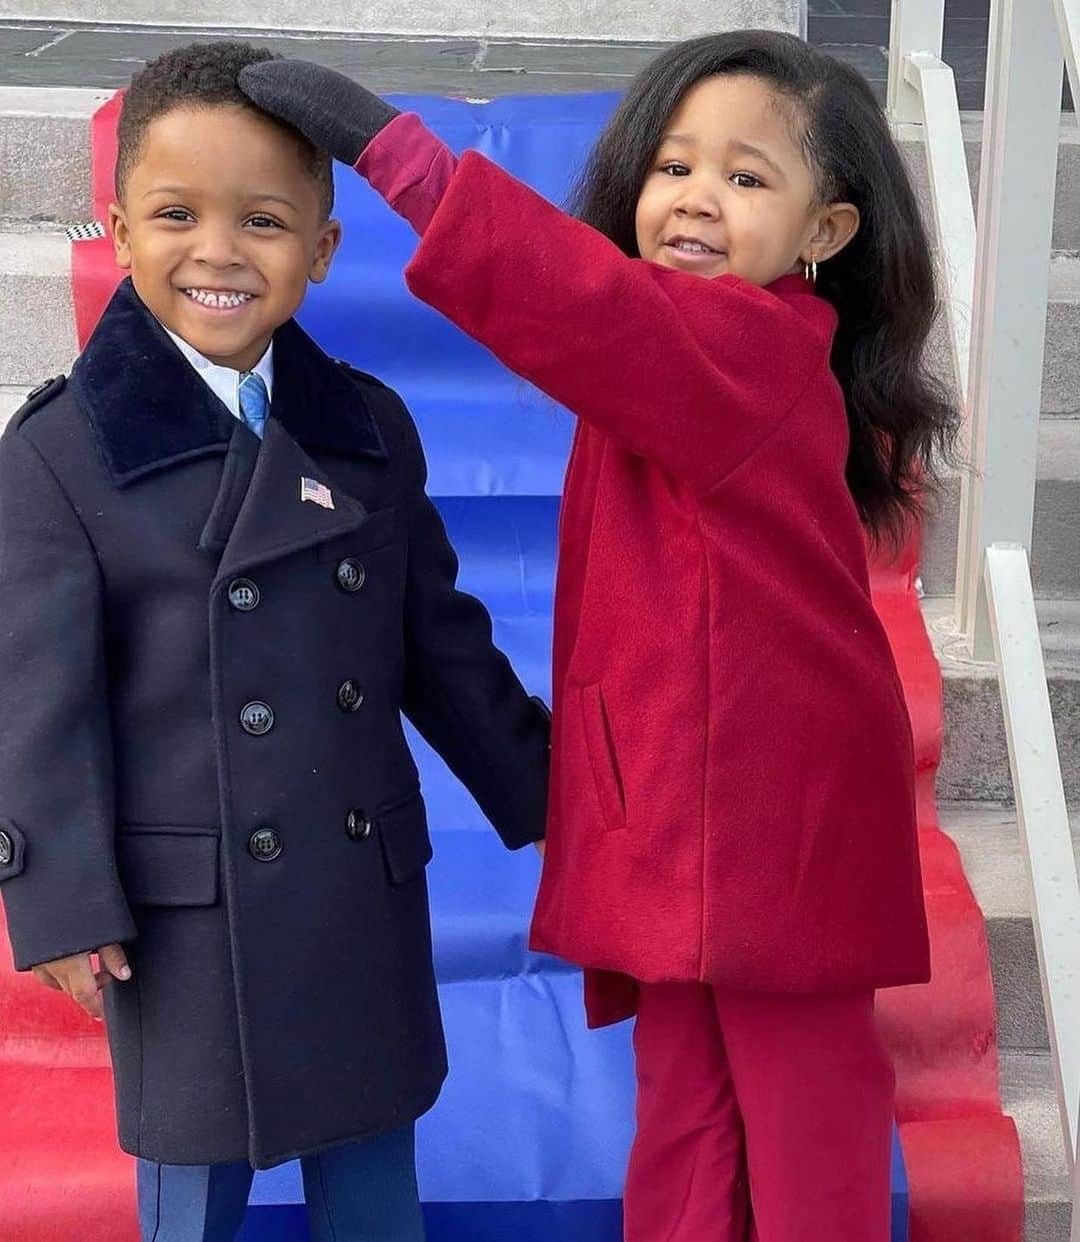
(203, 665)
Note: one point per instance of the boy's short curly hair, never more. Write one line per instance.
(201, 75)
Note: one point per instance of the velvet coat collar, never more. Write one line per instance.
(149, 409)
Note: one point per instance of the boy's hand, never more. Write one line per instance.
(75, 975)
(334, 112)
(539, 847)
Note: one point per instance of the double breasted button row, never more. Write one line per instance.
(244, 594)
(257, 718)
(266, 845)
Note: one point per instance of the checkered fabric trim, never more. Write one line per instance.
(93, 230)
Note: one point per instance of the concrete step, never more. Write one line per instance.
(45, 152)
(42, 127)
(1066, 217)
(596, 19)
(24, 244)
(988, 838)
(1028, 1096)
(10, 400)
(975, 763)
(35, 306)
(989, 843)
(1055, 559)
(40, 118)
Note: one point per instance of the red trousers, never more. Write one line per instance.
(760, 1119)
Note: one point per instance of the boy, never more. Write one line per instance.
(222, 582)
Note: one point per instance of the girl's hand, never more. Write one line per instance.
(334, 112)
(539, 847)
(75, 975)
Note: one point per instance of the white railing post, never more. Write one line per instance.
(1042, 815)
(1068, 19)
(950, 189)
(1012, 274)
(917, 26)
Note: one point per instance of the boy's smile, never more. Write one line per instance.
(221, 226)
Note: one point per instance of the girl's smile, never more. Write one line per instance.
(691, 253)
(729, 189)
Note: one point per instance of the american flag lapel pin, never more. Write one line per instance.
(318, 493)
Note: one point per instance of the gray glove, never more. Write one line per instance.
(334, 112)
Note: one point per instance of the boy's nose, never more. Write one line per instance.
(216, 248)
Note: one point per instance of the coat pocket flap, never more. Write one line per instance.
(406, 844)
(377, 529)
(168, 866)
(12, 850)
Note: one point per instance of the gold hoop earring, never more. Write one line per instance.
(810, 272)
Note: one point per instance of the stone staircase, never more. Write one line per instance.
(45, 187)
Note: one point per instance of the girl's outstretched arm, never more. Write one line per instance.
(693, 374)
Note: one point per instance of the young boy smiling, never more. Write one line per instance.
(223, 583)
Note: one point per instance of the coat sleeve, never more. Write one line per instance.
(460, 690)
(692, 374)
(60, 886)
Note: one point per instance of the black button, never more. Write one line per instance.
(243, 594)
(349, 696)
(358, 826)
(264, 845)
(256, 719)
(350, 574)
(7, 850)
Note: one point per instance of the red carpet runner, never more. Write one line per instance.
(962, 1154)
(64, 1178)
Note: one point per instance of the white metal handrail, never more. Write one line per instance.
(1041, 814)
(922, 93)
(998, 271)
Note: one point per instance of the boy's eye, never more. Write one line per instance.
(264, 222)
(746, 181)
(674, 169)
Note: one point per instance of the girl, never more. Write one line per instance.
(737, 319)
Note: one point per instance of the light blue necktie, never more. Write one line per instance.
(254, 402)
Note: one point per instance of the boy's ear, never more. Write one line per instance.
(836, 225)
(326, 245)
(118, 231)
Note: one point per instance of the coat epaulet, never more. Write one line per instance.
(37, 397)
(365, 376)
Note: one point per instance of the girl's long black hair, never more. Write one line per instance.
(902, 419)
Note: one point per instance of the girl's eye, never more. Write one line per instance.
(674, 169)
(264, 222)
(179, 214)
(746, 181)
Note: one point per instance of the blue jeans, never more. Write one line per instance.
(362, 1192)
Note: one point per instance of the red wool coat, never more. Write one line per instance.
(732, 794)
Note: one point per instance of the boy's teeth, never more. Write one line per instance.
(207, 297)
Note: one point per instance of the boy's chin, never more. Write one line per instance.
(232, 337)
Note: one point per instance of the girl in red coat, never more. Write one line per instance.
(737, 318)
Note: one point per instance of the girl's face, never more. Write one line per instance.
(729, 190)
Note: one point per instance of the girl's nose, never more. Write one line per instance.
(698, 202)
(697, 209)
